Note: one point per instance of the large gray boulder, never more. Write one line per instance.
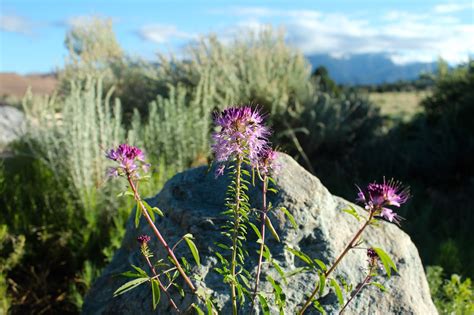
(193, 201)
(12, 125)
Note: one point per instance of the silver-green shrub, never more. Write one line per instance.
(70, 135)
(256, 68)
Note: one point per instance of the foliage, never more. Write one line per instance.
(76, 225)
(92, 47)
(177, 128)
(451, 296)
(72, 142)
(11, 251)
(59, 164)
(433, 151)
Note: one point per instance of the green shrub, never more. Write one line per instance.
(11, 251)
(51, 195)
(451, 296)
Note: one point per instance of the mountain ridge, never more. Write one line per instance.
(368, 69)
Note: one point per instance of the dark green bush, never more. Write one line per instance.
(452, 295)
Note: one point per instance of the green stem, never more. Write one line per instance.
(263, 218)
(359, 288)
(235, 235)
(159, 236)
(162, 287)
(338, 260)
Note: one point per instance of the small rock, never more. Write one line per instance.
(12, 125)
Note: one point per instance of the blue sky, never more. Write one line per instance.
(32, 32)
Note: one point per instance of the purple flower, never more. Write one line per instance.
(391, 216)
(389, 193)
(129, 159)
(220, 170)
(371, 253)
(373, 258)
(267, 161)
(143, 239)
(378, 196)
(242, 133)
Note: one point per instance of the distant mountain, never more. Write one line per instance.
(368, 68)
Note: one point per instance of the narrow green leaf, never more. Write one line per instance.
(301, 256)
(209, 306)
(318, 306)
(129, 285)
(279, 270)
(338, 291)
(378, 285)
(320, 264)
(193, 248)
(269, 225)
(264, 304)
(126, 193)
(197, 309)
(149, 210)
(140, 271)
(322, 282)
(255, 229)
(245, 280)
(158, 211)
(290, 217)
(296, 271)
(386, 261)
(138, 213)
(152, 214)
(352, 211)
(155, 289)
(273, 190)
(130, 274)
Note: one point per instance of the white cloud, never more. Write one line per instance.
(452, 7)
(16, 24)
(162, 33)
(405, 36)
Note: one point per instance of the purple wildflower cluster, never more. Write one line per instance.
(143, 239)
(378, 196)
(242, 134)
(130, 158)
(373, 257)
(267, 161)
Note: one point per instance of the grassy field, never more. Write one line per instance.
(399, 105)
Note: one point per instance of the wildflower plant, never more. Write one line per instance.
(241, 144)
(376, 198)
(132, 167)
(238, 143)
(243, 152)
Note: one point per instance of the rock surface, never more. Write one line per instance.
(12, 125)
(193, 200)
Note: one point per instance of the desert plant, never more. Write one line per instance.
(92, 47)
(452, 295)
(71, 142)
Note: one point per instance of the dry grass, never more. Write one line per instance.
(399, 105)
(13, 86)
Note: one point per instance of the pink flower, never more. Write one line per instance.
(129, 158)
(266, 162)
(143, 239)
(378, 196)
(241, 133)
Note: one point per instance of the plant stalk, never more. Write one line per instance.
(263, 217)
(162, 287)
(359, 288)
(160, 237)
(338, 260)
(235, 234)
